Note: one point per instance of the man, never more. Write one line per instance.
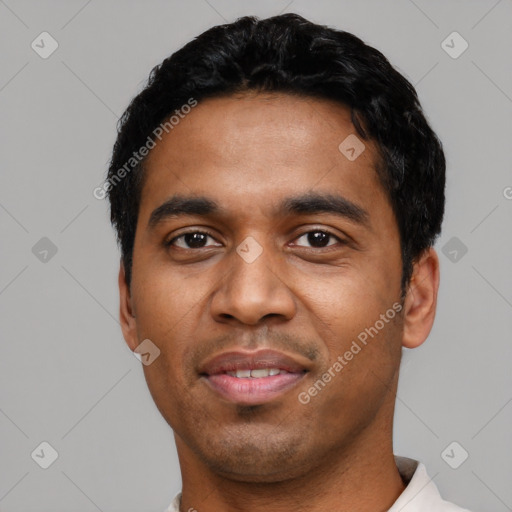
(276, 191)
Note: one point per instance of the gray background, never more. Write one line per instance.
(66, 375)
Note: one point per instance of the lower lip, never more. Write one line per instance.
(251, 391)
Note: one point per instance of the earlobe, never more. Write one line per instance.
(421, 299)
(126, 313)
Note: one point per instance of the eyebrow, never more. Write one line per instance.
(305, 204)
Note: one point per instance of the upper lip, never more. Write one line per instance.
(239, 360)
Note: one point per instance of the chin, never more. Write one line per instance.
(243, 458)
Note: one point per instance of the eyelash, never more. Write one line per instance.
(172, 240)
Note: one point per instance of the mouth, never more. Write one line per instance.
(252, 378)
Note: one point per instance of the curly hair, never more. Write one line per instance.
(292, 55)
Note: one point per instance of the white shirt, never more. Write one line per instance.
(420, 495)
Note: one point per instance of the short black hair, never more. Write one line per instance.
(292, 55)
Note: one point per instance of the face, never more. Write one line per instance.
(288, 263)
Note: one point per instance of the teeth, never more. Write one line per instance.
(262, 372)
(256, 374)
(243, 373)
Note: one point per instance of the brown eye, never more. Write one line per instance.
(191, 240)
(319, 238)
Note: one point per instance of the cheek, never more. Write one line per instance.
(169, 392)
(167, 312)
(164, 299)
(362, 370)
(357, 323)
(344, 302)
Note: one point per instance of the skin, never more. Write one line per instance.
(311, 301)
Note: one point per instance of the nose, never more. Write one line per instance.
(253, 290)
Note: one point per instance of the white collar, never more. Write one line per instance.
(420, 495)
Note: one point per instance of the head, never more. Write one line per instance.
(291, 204)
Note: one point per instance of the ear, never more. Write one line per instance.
(126, 316)
(421, 299)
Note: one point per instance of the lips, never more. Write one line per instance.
(237, 360)
(252, 378)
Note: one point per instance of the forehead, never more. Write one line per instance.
(258, 149)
